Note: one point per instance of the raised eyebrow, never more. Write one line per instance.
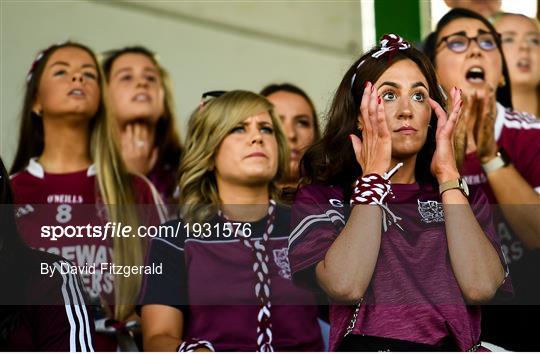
(390, 83)
(461, 33)
(419, 84)
(63, 63)
(148, 68)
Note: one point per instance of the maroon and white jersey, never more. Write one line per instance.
(413, 294)
(46, 199)
(519, 135)
(211, 280)
(53, 316)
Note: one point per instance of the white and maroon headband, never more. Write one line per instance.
(390, 45)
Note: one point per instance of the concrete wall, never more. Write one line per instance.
(204, 45)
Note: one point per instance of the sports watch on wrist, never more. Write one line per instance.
(499, 161)
(458, 183)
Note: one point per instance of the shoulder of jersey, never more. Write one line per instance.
(521, 120)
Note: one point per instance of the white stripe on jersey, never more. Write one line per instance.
(330, 215)
(68, 293)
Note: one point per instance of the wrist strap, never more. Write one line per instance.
(499, 161)
(373, 189)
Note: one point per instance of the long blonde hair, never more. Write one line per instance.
(114, 184)
(199, 197)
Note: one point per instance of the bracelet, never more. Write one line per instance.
(192, 344)
(373, 189)
(499, 161)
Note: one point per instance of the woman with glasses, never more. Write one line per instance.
(521, 46)
(499, 149)
(140, 93)
(226, 282)
(387, 228)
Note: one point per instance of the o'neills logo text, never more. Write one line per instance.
(64, 199)
(126, 271)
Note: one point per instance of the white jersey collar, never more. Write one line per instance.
(36, 170)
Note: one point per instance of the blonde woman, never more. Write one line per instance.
(226, 282)
(69, 172)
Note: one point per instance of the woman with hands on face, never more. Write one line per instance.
(495, 146)
(499, 150)
(414, 247)
(141, 99)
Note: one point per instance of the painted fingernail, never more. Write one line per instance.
(461, 104)
(379, 99)
(366, 83)
(350, 138)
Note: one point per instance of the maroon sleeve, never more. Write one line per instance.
(484, 214)
(317, 219)
(522, 143)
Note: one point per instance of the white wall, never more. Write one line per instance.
(204, 45)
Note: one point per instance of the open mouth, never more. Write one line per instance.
(76, 93)
(475, 75)
(524, 64)
(141, 97)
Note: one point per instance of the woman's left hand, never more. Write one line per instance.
(484, 127)
(443, 165)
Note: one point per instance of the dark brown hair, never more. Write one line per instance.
(31, 140)
(290, 88)
(504, 94)
(332, 159)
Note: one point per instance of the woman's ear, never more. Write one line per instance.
(37, 108)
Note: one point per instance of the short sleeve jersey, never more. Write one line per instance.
(71, 199)
(413, 294)
(211, 280)
(519, 135)
(513, 327)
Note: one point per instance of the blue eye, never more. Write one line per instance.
(389, 96)
(238, 129)
(419, 97)
(267, 130)
(60, 73)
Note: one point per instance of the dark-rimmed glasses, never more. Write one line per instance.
(459, 42)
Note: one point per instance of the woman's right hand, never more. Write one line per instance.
(138, 150)
(374, 151)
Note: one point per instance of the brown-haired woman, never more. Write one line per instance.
(387, 223)
(300, 123)
(68, 173)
